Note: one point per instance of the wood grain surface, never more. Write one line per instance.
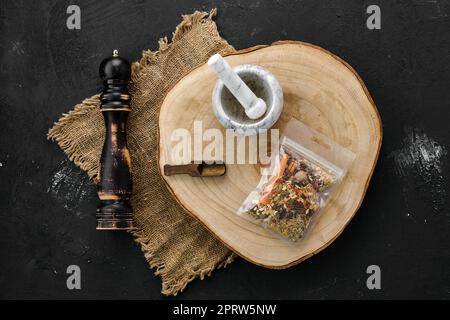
(319, 89)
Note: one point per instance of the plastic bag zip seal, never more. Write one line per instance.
(309, 155)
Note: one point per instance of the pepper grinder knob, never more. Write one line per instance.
(115, 68)
(114, 181)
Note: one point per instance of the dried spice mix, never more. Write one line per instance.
(288, 200)
(292, 196)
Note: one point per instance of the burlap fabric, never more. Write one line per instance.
(174, 243)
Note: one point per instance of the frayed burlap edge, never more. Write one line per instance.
(171, 283)
(186, 25)
(65, 143)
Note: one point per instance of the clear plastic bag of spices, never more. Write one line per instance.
(306, 170)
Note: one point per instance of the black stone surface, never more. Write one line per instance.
(47, 206)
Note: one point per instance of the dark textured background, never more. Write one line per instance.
(47, 206)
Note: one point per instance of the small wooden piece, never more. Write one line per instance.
(114, 181)
(320, 90)
(196, 169)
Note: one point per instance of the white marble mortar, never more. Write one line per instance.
(232, 115)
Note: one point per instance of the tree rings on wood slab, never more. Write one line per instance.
(322, 91)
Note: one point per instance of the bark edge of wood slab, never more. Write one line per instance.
(321, 90)
(114, 186)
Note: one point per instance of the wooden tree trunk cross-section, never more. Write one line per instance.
(320, 90)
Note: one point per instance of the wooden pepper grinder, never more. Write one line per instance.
(115, 185)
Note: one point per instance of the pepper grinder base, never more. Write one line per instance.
(116, 215)
(114, 224)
